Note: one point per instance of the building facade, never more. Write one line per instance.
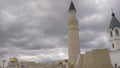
(114, 41)
(114, 33)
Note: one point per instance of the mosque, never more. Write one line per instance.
(98, 58)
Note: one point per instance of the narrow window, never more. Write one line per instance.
(60, 63)
(66, 61)
(115, 65)
(113, 46)
(22, 65)
(117, 32)
(111, 34)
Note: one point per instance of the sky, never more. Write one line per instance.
(36, 30)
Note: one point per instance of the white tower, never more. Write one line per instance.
(73, 35)
(114, 33)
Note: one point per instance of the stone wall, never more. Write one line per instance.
(98, 58)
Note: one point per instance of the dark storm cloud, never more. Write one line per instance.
(3, 52)
(38, 29)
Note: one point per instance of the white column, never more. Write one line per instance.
(73, 37)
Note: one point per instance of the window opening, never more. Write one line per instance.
(113, 46)
(111, 34)
(117, 32)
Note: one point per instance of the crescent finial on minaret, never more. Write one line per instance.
(113, 14)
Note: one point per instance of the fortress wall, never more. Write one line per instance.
(98, 58)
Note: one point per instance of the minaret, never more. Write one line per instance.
(73, 35)
(114, 33)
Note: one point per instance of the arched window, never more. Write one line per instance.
(115, 65)
(117, 32)
(113, 46)
(111, 34)
(60, 63)
(22, 66)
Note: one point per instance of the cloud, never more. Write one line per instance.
(37, 30)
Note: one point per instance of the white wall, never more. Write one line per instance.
(115, 57)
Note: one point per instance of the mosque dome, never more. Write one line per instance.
(13, 59)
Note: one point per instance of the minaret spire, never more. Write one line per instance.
(114, 33)
(72, 7)
(114, 21)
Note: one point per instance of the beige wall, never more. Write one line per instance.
(97, 59)
(73, 37)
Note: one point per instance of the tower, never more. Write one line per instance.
(114, 33)
(73, 35)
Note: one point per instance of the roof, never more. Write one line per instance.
(114, 22)
(72, 7)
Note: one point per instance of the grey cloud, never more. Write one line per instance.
(28, 27)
